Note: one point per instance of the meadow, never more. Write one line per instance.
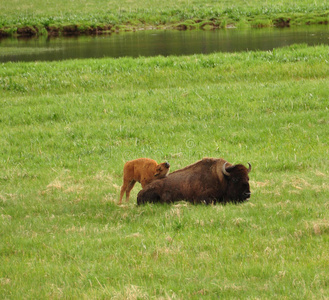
(39, 17)
(68, 127)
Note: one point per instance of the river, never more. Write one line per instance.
(156, 42)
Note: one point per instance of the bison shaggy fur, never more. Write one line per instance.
(210, 180)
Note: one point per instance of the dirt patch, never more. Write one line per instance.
(282, 22)
(4, 32)
(181, 27)
(53, 30)
(27, 31)
(71, 30)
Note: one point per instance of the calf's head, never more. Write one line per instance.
(162, 170)
(237, 178)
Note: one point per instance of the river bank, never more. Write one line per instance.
(36, 19)
(161, 42)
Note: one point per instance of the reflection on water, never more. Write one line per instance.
(153, 43)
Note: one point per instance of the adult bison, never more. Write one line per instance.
(209, 180)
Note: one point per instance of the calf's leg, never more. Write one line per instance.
(129, 188)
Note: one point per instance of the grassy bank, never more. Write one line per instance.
(75, 17)
(68, 127)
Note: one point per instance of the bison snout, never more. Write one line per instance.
(167, 165)
(246, 195)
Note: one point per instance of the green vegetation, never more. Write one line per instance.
(68, 127)
(39, 17)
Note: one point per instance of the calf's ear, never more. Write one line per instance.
(157, 170)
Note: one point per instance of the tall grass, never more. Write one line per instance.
(68, 127)
(132, 15)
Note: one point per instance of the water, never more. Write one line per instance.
(153, 43)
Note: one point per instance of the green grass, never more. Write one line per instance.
(43, 17)
(68, 127)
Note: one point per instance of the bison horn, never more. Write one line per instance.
(249, 169)
(224, 170)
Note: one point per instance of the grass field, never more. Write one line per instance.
(39, 17)
(68, 127)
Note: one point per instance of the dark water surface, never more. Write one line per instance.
(153, 43)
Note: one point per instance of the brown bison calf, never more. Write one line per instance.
(142, 170)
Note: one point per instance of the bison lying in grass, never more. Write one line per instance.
(209, 180)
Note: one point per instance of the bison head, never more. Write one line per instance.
(162, 170)
(237, 182)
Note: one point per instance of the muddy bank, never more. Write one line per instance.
(76, 30)
(68, 30)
